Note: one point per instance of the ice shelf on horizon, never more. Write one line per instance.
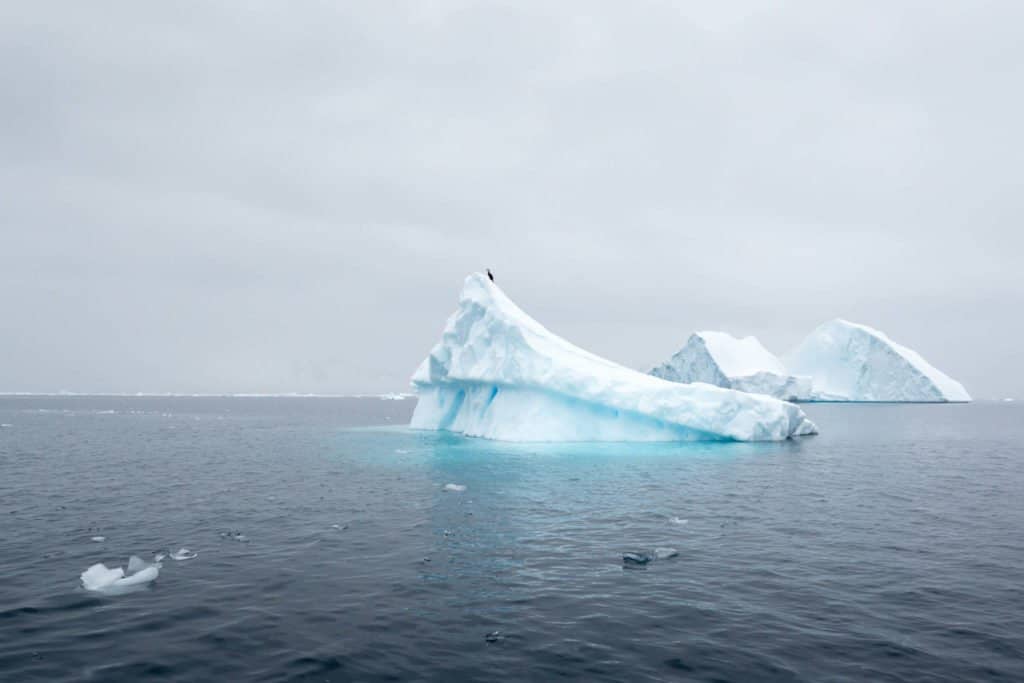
(851, 362)
(498, 373)
(726, 361)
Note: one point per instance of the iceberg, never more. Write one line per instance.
(743, 364)
(851, 362)
(497, 373)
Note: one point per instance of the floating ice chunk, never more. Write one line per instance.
(159, 557)
(101, 579)
(679, 520)
(184, 554)
(457, 488)
(98, 539)
(665, 553)
(635, 559)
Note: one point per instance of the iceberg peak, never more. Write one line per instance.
(500, 374)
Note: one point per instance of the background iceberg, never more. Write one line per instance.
(851, 362)
(498, 373)
(743, 364)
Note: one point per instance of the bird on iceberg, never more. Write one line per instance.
(490, 274)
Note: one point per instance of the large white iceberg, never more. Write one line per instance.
(743, 364)
(851, 362)
(498, 373)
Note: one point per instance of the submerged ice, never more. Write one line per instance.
(851, 362)
(498, 373)
(726, 361)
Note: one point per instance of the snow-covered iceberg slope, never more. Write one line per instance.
(498, 373)
(743, 364)
(851, 362)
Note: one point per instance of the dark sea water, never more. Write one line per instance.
(888, 548)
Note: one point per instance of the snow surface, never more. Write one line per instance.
(498, 373)
(726, 361)
(852, 362)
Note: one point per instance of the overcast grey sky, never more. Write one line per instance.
(276, 197)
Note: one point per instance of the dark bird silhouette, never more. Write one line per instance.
(490, 274)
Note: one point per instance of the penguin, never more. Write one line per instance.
(490, 274)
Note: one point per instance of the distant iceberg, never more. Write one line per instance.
(851, 362)
(498, 373)
(726, 361)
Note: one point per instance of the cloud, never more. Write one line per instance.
(215, 197)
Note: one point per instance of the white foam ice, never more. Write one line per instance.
(679, 520)
(498, 373)
(458, 488)
(98, 539)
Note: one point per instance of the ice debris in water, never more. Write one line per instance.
(98, 539)
(184, 554)
(101, 579)
(678, 520)
(159, 557)
(665, 553)
(635, 559)
(458, 488)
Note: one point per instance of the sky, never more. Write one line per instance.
(267, 197)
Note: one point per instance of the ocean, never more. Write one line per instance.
(329, 547)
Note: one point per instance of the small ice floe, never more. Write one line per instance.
(665, 553)
(98, 539)
(339, 527)
(160, 557)
(635, 559)
(457, 488)
(184, 554)
(679, 520)
(235, 536)
(101, 579)
(494, 636)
